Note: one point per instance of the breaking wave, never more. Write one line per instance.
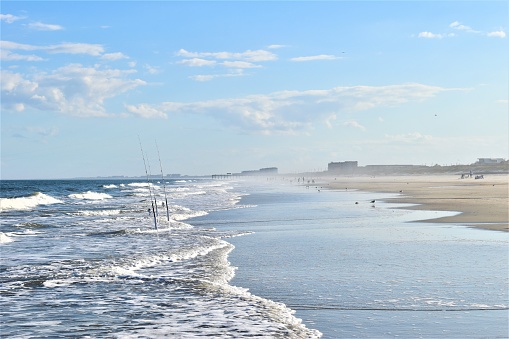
(26, 203)
(90, 196)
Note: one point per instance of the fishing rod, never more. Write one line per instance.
(148, 182)
(164, 184)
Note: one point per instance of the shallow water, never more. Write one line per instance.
(364, 270)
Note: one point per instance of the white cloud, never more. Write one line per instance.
(114, 56)
(249, 55)
(354, 124)
(239, 64)
(9, 18)
(72, 89)
(149, 69)
(208, 77)
(64, 48)
(203, 77)
(429, 35)
(45, 27)
(497, 34)
(197, 62)
(315, 57)
(75, 48)
(456, 25)
(234, 61)
(146, 111)
(6, 55)
(460, 27)
(17, 46)
(276, 46)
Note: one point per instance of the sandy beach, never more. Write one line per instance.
(483, 203)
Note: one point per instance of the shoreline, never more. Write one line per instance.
(482, 203)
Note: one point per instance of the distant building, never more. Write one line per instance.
(268, 170)
(342, 167)
(489, 161)
(261, 171)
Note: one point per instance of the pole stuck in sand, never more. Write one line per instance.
(164, 184)
(152, 197)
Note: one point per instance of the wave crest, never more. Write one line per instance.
(89, 195)
(29, 202)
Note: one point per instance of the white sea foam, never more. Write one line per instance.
(89, 195)
(138, 184)
(110, 186)
(143, 184)
(97, 213)
(26, 203)
(184, 213)
(4, 238)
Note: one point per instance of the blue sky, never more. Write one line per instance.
(231, 86)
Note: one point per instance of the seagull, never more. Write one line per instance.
(372, 201)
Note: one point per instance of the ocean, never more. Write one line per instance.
(240, 259)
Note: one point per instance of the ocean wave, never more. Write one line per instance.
(89, 195)
(26, 203)
(110, 186)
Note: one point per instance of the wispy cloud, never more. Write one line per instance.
(296, 111)
(146, 111)
(44, 27)
(276, 46)
(354, 124)
(459, 27)
(6, 55)
(249, 55)
(235, 61)
(429, 35)
(315, 57)
(9, 18)
(239, 64)
(197, 62)
(114, 56)
(95, 50)
(209, 77)
(63, 48)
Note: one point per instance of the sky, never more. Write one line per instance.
(230, 86)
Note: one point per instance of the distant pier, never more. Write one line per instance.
(226, 176)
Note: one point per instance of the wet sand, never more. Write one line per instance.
(483, 203)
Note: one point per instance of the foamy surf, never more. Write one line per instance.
(4, 238)
(27, 202)
(89, 195)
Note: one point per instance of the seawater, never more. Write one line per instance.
(83, 259)
(240, 259)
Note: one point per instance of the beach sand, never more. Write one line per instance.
(483, 203)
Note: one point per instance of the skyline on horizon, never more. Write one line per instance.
(232, 86)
